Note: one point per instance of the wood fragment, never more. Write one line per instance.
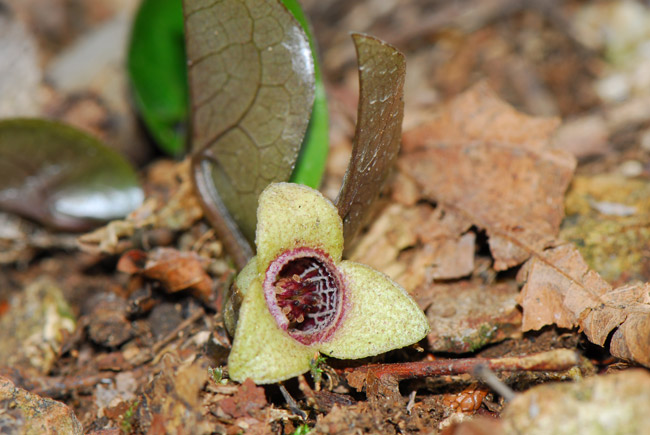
(554, 360)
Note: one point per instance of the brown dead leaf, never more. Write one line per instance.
(171, 205)
(176, 270)
(468, 315)
(560, 289)
(248, 399)
(494, 166)
(443, 248)
(171, 402)
(385, 387)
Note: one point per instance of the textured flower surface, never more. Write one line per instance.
(300, 298)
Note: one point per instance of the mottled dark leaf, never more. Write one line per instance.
(156, 65)
(62, 177)
(382, 69)
(251, 78)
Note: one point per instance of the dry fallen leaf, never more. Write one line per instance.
(560, 289)
(468, 315)
(443, 248)
(248, 400)
(174, 207)
(494, 166)
(176, 270)
(170, 403)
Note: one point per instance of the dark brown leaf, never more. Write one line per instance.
(382, 69)
(251, 78)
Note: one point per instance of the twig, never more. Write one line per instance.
(293, 405)
(554, 360)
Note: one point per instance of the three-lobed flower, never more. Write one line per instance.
(299, 297)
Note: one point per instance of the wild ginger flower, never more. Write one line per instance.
(300, 298)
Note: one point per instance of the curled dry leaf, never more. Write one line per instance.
(176, 270)
(560, 289)
(251, 78)
(382, 69)
(495, 167)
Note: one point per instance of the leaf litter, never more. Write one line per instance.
(435, 241)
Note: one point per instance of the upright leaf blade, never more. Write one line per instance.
(251, 78)
(63, 177)
(312, 158)
(377, 138)
(157, 70)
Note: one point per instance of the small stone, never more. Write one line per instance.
(27, 413)
(631, 168)
(108, 324)
(645, 140)
(34, 332)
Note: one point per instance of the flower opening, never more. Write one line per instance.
(304, 293)
(300, 297)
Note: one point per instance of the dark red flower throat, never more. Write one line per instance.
(302, 288)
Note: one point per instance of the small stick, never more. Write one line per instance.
(411, 402)
(488, 377)
(293, 405)
(554, 360)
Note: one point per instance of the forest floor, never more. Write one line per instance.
(518, 218)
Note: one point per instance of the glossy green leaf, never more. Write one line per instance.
(251, 79)
(310, 166)
(382, 69)
(157, 69)
(62, 177)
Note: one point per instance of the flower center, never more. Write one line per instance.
(303, 291)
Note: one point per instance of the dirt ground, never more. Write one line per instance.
(518, 218)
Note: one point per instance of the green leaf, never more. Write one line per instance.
(312, 158)
(382, 69)
(251, 79)
(157, 69)
(310, 166)
(62, 177)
